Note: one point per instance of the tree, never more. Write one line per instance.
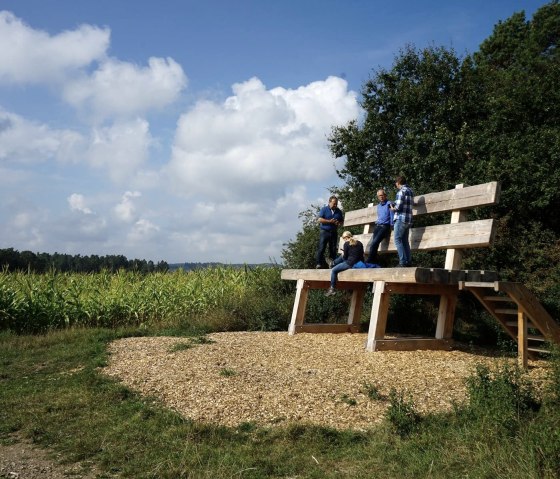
(493, 115)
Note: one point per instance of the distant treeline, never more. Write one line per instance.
(15, 260)
(195, 266)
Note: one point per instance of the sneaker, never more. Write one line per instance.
(318, 266)
(329, 262)
(330, 292)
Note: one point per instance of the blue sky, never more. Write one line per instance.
(191, 131)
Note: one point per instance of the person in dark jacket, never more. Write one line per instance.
(330, 218)
(353, 252)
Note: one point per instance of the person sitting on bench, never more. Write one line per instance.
(353, 252)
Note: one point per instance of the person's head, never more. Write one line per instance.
(333, 202)
(400, 181)
(381, 195)
(347, 236)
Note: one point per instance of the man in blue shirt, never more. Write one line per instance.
(403, 220)
(330, 217)
(383, 225)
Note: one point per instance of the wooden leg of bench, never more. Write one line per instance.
(522, 352)
(446, 316)
(379, 311)
(300, 303)
(356, 308)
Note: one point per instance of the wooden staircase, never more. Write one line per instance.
(519, 313)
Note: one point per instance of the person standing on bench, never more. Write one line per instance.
(402, 219)
(353, 252)
(330, 217)
(383, 225)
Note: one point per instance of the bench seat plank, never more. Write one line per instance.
(366, 275)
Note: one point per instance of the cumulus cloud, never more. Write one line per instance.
(125, 210)
(77, 202)
(122, 89)
(34, 56)
(27, 142)
(120, 150)
(259, 140)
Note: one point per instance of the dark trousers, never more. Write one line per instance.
(380, 232)
(327, 238)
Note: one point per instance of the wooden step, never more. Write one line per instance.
(506, 311)
(513, 324)
(505, 299)
(538, 350)
(532, 337)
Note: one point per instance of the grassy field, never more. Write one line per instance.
(52, 392)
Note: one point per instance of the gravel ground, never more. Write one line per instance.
(274, 378)
(268, 379)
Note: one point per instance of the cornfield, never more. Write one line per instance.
(221, 298)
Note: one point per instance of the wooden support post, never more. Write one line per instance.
(356, 304)
(447, 303)
(446, 316)
(378, 318)
(522, 351)
(300, 303)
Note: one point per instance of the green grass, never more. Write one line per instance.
(51, 391)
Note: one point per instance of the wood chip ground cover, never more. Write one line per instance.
(273, 378)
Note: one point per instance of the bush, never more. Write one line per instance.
(401, 413)
(502, 397)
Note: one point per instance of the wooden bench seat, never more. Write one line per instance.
(504, 301)
(455, 236)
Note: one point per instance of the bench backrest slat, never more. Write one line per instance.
(444, 201)
(470, 234)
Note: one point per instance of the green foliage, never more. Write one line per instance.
(502, 398)
(13, 260)
(441, 119)
(401, 413)
(300, 253)
(372, 392)
(214, 299)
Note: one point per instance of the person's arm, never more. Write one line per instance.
(345, 249)
(323, 220)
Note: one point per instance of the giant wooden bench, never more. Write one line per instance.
(455, 236)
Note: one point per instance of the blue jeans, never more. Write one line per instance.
(338, 265)
(330, 239)
(402, 243)
(380, 232)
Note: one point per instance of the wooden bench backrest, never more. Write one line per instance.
(454, 236)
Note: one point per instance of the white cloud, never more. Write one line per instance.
(34, 56)
(259, 140)
(143, 230)
(77, 202)
(123, 89)
(24, 141)
(126, 210)
(120, 150)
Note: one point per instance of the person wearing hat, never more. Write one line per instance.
(353, 251)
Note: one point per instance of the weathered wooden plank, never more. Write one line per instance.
(456, 199)
(412, 344)
(327, 328)
(367, 275)
(469, 234)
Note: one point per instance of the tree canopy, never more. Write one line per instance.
(441, 119)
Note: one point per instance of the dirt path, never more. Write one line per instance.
(24, 460)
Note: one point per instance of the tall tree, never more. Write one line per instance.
(493, 115)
